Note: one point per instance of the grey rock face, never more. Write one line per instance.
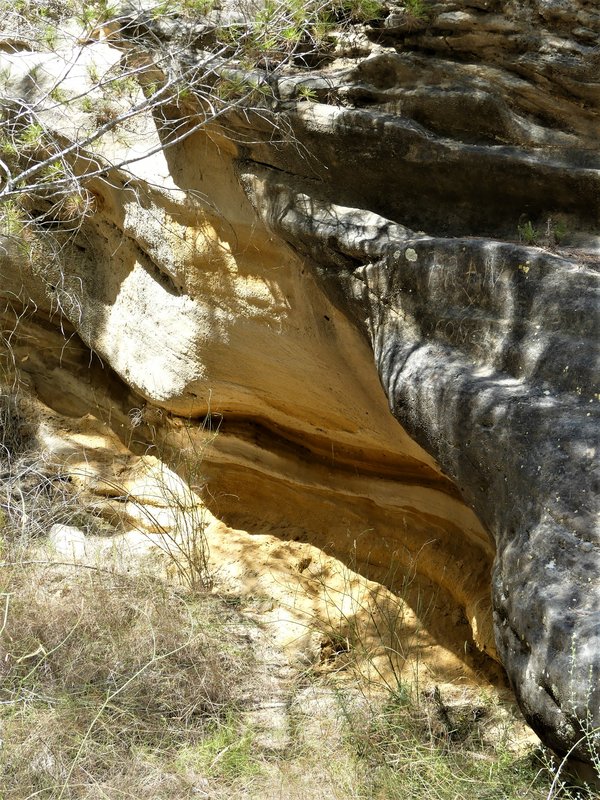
(487, 352)
(478, 130)
(490, 368)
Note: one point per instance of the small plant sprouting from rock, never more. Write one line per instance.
(363, 10)
(528, 233)
(307, 93)
(416, 8)
(553, 233)
(556, 230)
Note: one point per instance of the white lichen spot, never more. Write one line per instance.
(410, 254)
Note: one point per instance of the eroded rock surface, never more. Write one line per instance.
(487, 348)
(433, 218)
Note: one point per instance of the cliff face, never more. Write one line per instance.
(419, 235)
(477, 129)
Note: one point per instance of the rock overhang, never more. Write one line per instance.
(400, 211)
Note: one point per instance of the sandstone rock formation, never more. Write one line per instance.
(423, 219)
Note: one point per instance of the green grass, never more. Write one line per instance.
(12, 219)
(559, 230)
(416, 8)
(226, 752)
(412, 757)
(412, 751)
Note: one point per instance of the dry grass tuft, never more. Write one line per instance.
(103, 677)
